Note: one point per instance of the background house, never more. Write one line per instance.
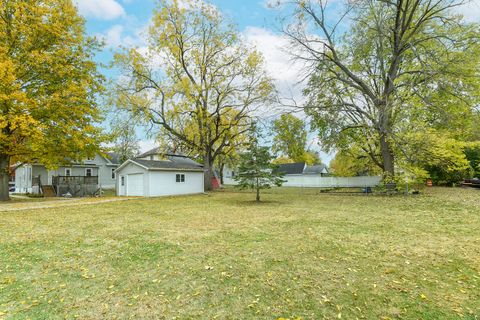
(155, 174)
(317, 176)
(96, 172)
(290, 170)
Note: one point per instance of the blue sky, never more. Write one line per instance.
(122, 22)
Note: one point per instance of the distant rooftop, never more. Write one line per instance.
(157, 164)
(302, 168)
(158, 151)
(316, 169)
(292, 168)
(113, 157)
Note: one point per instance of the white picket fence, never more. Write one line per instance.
(317, 181)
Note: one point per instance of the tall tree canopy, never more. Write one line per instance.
(125, 140)
(48, 82)
(289, 136)
(290, 140)
(400, 67)
(351, 163)
(197, 82)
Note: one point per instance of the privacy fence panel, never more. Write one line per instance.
(317, 181)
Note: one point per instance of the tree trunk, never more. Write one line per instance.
(207, 166)
(4, 177)
(222, 166)
(258, 192)
(387, 156)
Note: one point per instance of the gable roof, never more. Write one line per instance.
(157, 164)
(316, 169)
(292, 168)
(158, 151)
(113, 157)
(174, 163)
(151, 152)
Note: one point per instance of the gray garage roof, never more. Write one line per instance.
(156, 164)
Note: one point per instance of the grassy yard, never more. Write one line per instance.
(300, 254)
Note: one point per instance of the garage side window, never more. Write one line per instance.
(122, 181)
(180, 178)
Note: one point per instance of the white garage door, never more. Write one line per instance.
(135, 185)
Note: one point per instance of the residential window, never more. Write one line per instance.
(113, 173)
(180, 178)
(233, 174)
(88, 172)
(122, 180)
(68, 172)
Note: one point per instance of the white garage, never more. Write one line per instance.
(153, 178)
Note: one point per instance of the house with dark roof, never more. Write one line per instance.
(292, 171)
(301, 168)
(154, 174)
(292, 168)
(80, 178)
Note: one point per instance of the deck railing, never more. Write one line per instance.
(82, 180)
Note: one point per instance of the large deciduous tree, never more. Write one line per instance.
(290, 140)
(196, 81)
(125, 140)
(289, 136)
(48, 82)
(386, 69)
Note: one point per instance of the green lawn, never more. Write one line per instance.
(300, 254)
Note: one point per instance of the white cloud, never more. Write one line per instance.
(287, 74)
(470, 11)
(117, 35)
(100, 9)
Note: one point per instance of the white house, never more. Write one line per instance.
(99, 171)
(168, 174)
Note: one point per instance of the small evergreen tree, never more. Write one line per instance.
(256, 170)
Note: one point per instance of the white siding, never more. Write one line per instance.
(130, 169)
(158, 183)
(163, 183)
(317, 181)
(23, 179)
(134, 184)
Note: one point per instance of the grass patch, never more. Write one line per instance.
(299, 254)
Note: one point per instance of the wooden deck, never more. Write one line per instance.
(76, 186)
(59, 180)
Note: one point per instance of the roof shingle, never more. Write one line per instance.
(292, 168)
(182, 165)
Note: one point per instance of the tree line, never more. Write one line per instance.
(393, 86)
